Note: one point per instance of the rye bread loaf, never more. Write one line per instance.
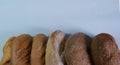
(105, 50)
(38, 49)
(6, 59)
(21, 50)
(76, 49)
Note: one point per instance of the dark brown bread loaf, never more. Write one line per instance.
(119, 54)
(76, 49)
(21, 50)
(53, 56)
(38, 49)
(6, 59)
(105, 50)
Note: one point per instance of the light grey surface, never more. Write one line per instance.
(71, 16)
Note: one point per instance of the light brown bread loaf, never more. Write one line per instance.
(105, 50)
(38, 49)
(53, 56)
(76, 49)
(21, 50)
(6, 59)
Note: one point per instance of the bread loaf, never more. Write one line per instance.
(38, 49)
(53, 56)
(76, 49)
(105, 50)
(21, 50)
(6, 59)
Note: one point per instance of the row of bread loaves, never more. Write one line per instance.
(60, 49)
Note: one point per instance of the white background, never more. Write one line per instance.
(71, 16)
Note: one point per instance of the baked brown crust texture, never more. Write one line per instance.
(38, 49)
(21, 50)
(76, 49)
(105, 50)
(6, 59)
